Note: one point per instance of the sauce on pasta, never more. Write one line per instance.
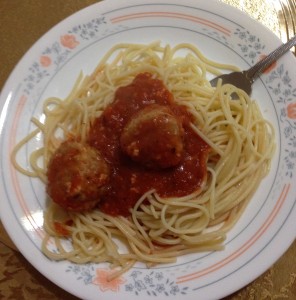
(130, 180)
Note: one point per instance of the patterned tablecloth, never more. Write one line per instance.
(21, 24)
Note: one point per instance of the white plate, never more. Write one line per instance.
(49, 68)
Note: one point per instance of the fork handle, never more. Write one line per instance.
(263, 64)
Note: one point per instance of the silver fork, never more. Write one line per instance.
(245, 79)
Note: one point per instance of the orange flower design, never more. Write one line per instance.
(291, 109)
(45, 61)
(105, 284)
(69, 41)
(271, 67)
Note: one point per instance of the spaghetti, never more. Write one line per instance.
(158, 229)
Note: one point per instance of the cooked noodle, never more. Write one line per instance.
(158, 229)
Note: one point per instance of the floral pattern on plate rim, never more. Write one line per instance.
(277, 80)
(153, 283)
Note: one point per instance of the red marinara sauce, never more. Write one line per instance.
(130, 180)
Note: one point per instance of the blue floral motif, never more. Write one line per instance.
(279, 81)
(252, 55)
(174, 290)
(35, 75)
(249, 44)
(153, 284)
(148, 279)
(59, 53)
(293, 141)
(241, 34)
(257, 46)
(159, 276)
(90, 29)
(287, 131)
(129, 287)
(244, 48)
(279, 84)
(86, 273)
(252, 39)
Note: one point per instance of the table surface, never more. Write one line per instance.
(24, 22)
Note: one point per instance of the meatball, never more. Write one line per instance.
(153, 137)
(76, 176)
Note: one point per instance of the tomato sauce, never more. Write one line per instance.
(130, 180)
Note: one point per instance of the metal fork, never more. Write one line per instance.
(245, 79)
